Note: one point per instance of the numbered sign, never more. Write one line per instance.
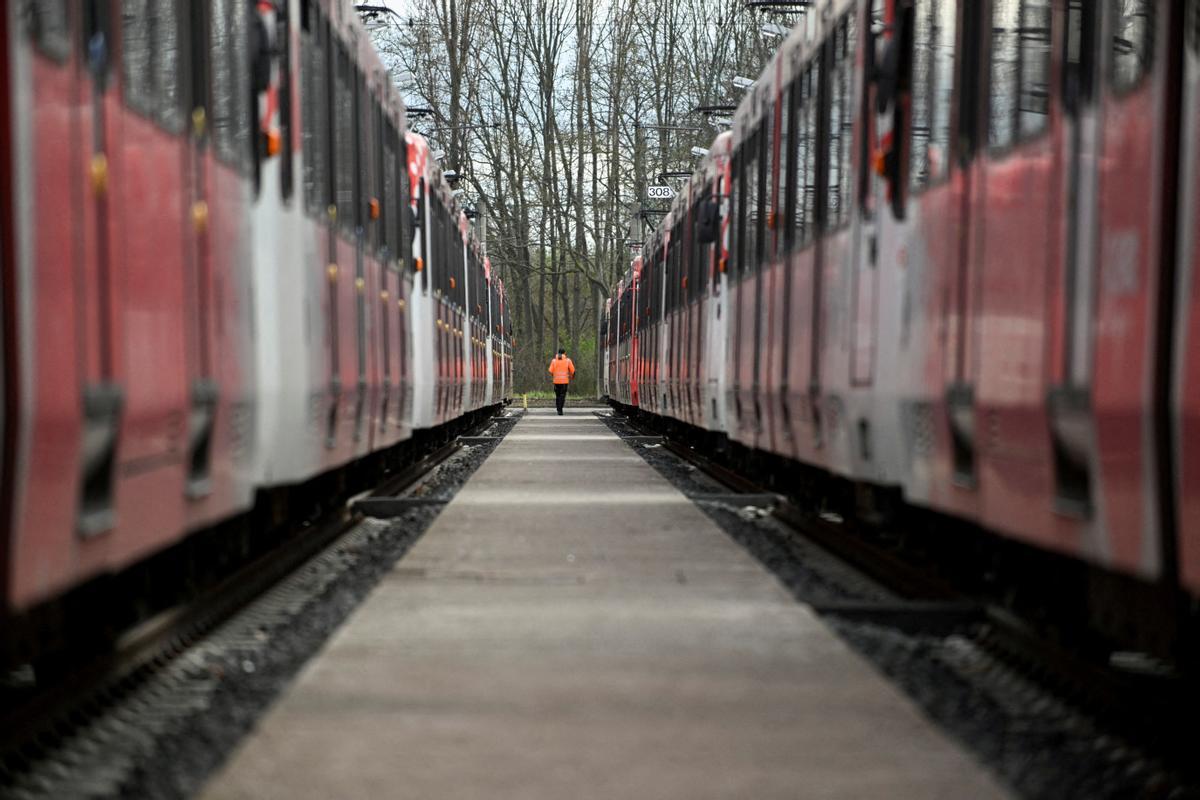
(660, 192)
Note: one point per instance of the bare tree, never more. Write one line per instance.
(542, 106)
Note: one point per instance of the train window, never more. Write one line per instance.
(150, 36)
(1035, 67)
(390, 219)
(1132, 41)
(806, 153)
(1079, 69)
(763, 189)
(460, 285)
(768, 187)
(403, 202)
(644, 310)
(833, 158)
(733, 210)
(812, 172)
(50, 26)
(659, 283)
(1020, 71)
(1192, 33)
(167, 66)
(677, 266)
(945, 29)
(439, 257)
(748, 246)
(437, 243)
(717, 246)
(138, 21)
(922, 92)
(1004, 74)
(833, 145)
(653, 297)
(448, 256)
(688, 258)
(845, 76)
(287, 136)
(420, 203)
(701, 257)
(344, 174)
(655, 285)
(787, 163)
(314, 112)
(231, 111)
(933, 89)
(670, 273)
(840, 123)
(360, 157)
(377, 176)
(682, 263)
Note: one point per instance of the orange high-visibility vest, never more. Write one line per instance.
(563, 369)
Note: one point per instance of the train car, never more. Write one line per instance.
(223, 256)
(624, 352)
(708, 193)
(334, 203)
(1185, 395)
(131, 375)
(960, 276)
(650, 313)
(604, 344)
(681, 327)
(1041, 208)
(500, 339)
(445, 257)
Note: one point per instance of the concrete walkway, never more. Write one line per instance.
(572, 627)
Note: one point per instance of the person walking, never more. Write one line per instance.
(562, 369)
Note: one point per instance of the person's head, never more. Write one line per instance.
(562, 351)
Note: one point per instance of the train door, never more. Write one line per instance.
(1132, 247)
(958, 311)
(1186, 385)
(153, 226)
(1072, 313)
(103, 396)
(634, 355)
(865, 288)
(360, 139)
(8, 276)
(327, 236)
(744, 294)
(198, 304)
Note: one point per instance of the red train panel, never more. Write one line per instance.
(1186, 370)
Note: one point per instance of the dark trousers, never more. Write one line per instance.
(560, 396)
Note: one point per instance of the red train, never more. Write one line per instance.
(228, 272)
(948, 255)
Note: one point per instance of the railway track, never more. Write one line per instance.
(1141, 698)
(38, 721)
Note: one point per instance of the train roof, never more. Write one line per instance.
(796, 51)
(349, 30)
(712, 163)
(798, 48)
(435, 182)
